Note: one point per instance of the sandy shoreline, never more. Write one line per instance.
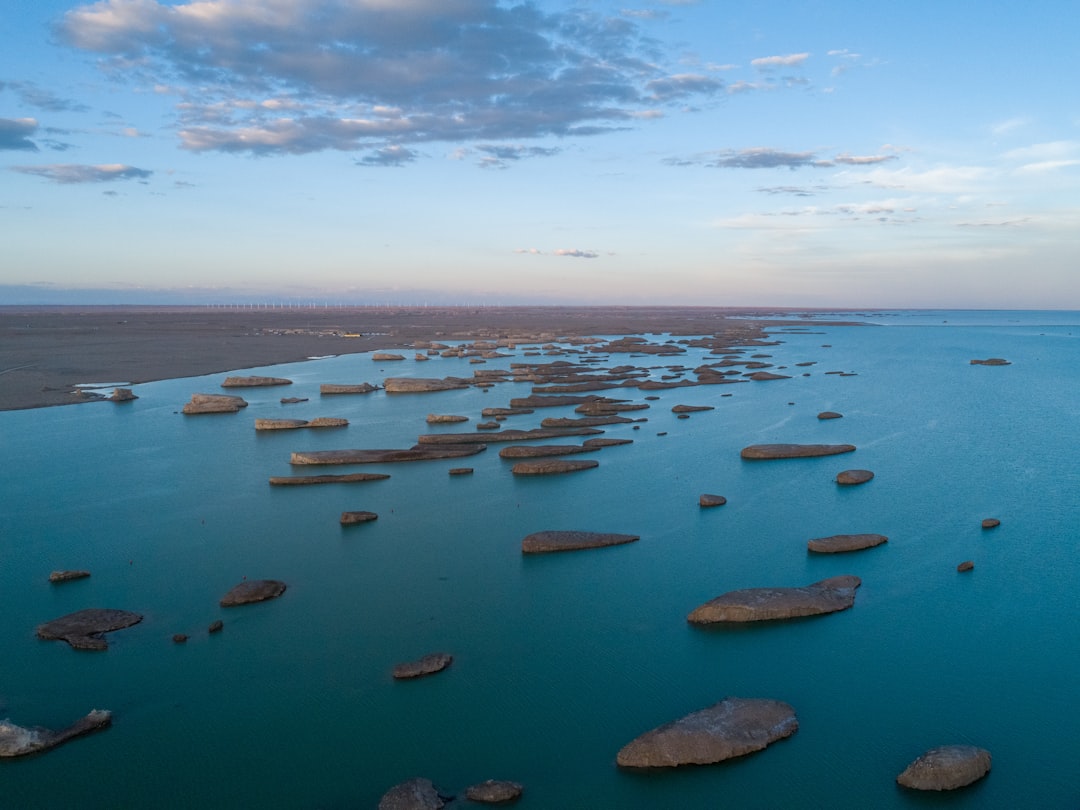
(46, 351)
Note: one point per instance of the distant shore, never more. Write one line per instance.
(45, 352)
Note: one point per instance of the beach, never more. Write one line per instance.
(45, 352)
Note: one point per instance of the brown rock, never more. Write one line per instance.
(67, 576)
(853, 477)
(768, 375)
(84, 629)
(494, 791)
(419, 385)
(712, 500)
(549, 541)
(362, 388)
(839, 543)
(731, 728)
(505, 435)
(292, 400)
(773, 451)
(303, 480)
(381, 356)
(445, 418)
(122, 395)
(293, 424)
(214, 403)
(253, 382)
(830, 415)
(966, 565)
(461, 471)
(691, 408)
(17, 741)
(946, 768)
(990, 523)
(991, 361)
(428, 665)
(253, 590)
(215, 626)
(179, 638)
(541, 450)
(586, 421)
(416, 794)
(552, 466)
(350, 518)
(769, 604)
(415, 453)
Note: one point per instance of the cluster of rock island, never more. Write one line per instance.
(732, 727)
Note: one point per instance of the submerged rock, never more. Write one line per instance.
(853, 477)
(461, 471)
(552, 466)
(544, 542)
(214, 403)
(416, 794)
(253, 382)
(84, 629)
(494, 791)
(946, 768)
(18, 741)
(770, 604)
(731, 728)
(773, 451)
(428, 665)
(839, 543)
(253, 590)
(67, 576)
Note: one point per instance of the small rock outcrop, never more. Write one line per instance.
(850, 478)
(415, 453)
(214, 403)
(966, 565)
(731, 728)
(991, 361)
(767, 375)
(254, 382)
(839, 543)
(711, 500)
(505, 435)
(85, 629)
(445, 418)
(292, 400)
(691, 408)
(293, 424)
(304, 480)
(494, 791)
(461, 471)
(378, 357)
(420, 385)
(428, 665)
(350, 518)
(17, 741)
(946, 768)
(773, 451)
(990, 523)
(830, 415)
(362, 388)
(770, 604)
(544, 542)
(253, 590)
(215, 626)
(121, 395)
(416, 794)
(67, 576)
(542, 450)
(552, 466)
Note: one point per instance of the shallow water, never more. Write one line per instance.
(560, 659)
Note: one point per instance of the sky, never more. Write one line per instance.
(819, 153)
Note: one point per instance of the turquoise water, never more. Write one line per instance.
(561, 659)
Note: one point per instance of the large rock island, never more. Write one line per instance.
(769, 604)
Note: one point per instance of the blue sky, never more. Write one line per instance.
(817, 154)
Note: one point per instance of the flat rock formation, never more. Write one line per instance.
(541, 450)
(544, 542)
(991, 361)
(253, 382)
(772, 451)
(292, 400)
(85, 629)
(711, 500)
(497, 412)
(67, 576)
(294, 424)
(966, 565)
(428, 665)
(767, 375)
(830, 415)
(839, 543)
(253, 590)
(361, 388)
(549, 401)
(445, 418)
(852, 477)
(603, 407)
(349, 518)
(460, 471)
(946, 768)
(731, 728)
(691, 408)
(419, 385)
(586, 421)
(592, 444)
(552, 467)
(990, 523)
(214, 403)
(769, 604)
(416, 794)
(505, 435)
(121, 395)
(380, 356)
(494, 791)
(415, 453)
(304, 480)
(17, 741)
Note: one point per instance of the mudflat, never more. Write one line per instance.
(45, 352)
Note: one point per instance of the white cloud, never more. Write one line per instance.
(790, 60)
(71, 173)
